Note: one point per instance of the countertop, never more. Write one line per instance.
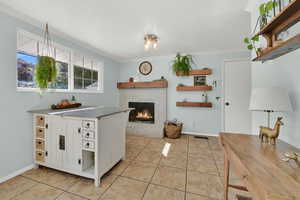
(82, 112)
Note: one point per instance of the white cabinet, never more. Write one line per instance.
(85, 147)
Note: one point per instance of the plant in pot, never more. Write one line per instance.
(264, 12)
(46, 67)
(45, 71)
(182, 64)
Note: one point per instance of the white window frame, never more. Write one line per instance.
(71, 88)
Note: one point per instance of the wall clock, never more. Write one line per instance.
(145, 68)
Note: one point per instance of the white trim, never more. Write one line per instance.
(199, 134)
(16, 173)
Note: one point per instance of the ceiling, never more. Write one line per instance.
(117, 27)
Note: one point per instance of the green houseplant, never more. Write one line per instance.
(264, 12)
(45, 71)
(182, 64)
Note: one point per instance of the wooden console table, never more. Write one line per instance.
(260, 166)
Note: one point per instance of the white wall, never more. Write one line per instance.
(282, 72)
(16, 123)
(196, 120)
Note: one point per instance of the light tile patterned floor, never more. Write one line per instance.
(192, 170)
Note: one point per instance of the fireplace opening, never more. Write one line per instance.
(143, 112)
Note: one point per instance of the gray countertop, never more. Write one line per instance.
(82, 112)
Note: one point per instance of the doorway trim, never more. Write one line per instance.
(223, 88)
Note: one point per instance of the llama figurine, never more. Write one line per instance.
(270, 134)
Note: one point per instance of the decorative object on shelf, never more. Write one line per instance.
(131, 79)
(46, 67)
(180, 85)
(151, 41)
(269, 135)
(199, 80)
(73, 100)
(173, 129)
(287, 19)
(204, 97)
(145, 68)
(182, 64)
(64, 104)
(184, 100)
(291, 156)
(265, 11)
(214, 83)
(270, 100)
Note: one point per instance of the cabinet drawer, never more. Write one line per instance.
(88, 144)
(40, 144)
(40, 156)
(88, 134)
(40, 120)
(88, 124)
(40, 133)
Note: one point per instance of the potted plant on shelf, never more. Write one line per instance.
(182, 64)
(46, 67)
(264, 12)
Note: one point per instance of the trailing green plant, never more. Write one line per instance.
(264, 12)
(182, 64)
(45, 71)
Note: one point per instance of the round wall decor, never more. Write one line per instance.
(145, 68)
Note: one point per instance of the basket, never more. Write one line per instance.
(172, 130)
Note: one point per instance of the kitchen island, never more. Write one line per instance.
(86, 141)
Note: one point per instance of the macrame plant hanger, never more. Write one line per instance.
(47, 49)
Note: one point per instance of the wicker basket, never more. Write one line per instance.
(173, 130)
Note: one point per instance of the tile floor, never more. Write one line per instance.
(192, 170)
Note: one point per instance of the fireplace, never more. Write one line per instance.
(143, 112)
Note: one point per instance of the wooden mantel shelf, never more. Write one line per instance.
(194, 104)
(194, 88)
(152, 84)
(196, 72)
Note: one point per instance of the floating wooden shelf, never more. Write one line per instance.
(284, 20)
(196, 72)
(287, 17)
(194, 88)
(281, 49)
(152, 84)
(194, 104)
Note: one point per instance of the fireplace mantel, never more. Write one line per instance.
(152, 84)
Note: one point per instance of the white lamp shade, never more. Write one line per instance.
(270, 99)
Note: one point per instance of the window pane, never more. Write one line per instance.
(87, 83)
(62, 75)
(87, 74)
(62, 54)
(78, 72)
(78, 83)
(95, 75)
(26, 66)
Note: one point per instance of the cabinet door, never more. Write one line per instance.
(73, 157)
(54, 127)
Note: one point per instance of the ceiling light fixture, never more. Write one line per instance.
(150, 41)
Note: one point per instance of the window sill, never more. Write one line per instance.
(35, 90)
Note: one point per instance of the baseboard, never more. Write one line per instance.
(195, 133)
(16, 173)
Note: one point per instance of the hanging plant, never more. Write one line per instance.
(264, 12)
(182, 64)
(45, 71)
(46, 67)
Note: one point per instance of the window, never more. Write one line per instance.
(75, 72)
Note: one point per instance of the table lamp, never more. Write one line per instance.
(269, 100)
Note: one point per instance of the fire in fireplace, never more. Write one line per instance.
(143, 112)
